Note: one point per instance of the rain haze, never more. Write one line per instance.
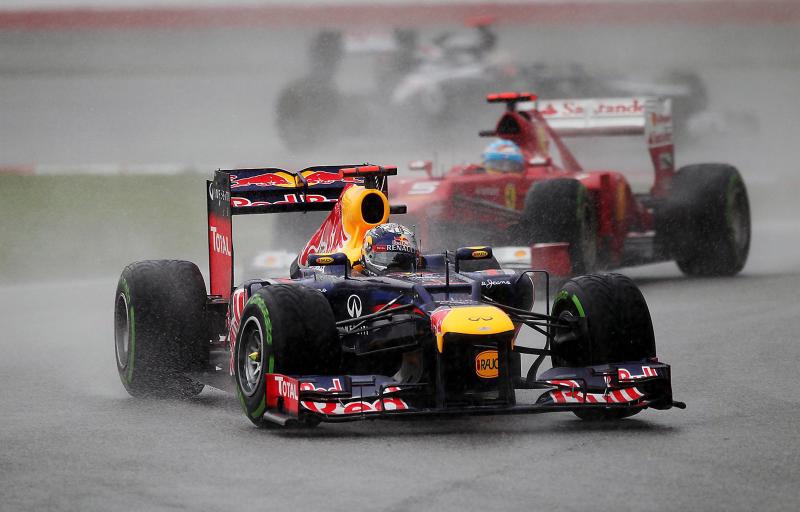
(114, 113)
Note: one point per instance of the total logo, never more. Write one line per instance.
(286, 389)
(221, 243)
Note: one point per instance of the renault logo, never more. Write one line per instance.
(354, 306)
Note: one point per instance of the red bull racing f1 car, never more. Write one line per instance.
(334, 343)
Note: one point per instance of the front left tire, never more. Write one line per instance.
(286, 329)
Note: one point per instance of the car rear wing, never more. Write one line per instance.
(264, 190)
(272, 190)
(648, 116)
(606, 116)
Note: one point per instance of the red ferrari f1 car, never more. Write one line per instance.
(575, 220)
(432, 334)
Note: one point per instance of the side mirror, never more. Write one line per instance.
(330, 260)
(481, 252)
(422, 165)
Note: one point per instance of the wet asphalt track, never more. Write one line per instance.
(71, 439)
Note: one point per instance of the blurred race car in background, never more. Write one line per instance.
(576, 220)
(332, 343)
(425, 90)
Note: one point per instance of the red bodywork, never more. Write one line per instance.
(467, 202)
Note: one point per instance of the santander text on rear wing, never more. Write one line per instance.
(648, 116)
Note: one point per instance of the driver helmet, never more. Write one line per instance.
(389, 247)
(503, 156)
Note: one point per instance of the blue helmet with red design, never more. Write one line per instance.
(503, 156)
(390, 247)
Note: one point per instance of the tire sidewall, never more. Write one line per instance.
(124, 292)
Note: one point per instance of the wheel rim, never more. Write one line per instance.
(250, 357)
(122, 331)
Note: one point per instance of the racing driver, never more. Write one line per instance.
(389, 248)
(503, 156)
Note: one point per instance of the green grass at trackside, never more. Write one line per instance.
(65, 226)
(87, 225)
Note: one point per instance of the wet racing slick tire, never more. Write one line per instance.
(286, 329)
(159, 328)
(618, 328)
(560, 210)
(706, 220)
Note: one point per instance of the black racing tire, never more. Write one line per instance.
(561, 210)
(618, 328)
(160, 328)
(293, 331)
(307, 112)
(705, 220)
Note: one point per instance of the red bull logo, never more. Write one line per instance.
(270, 179)
(328, 178)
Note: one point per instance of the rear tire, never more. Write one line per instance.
(560, 210)
(619, 328)
(706, 220)
(292, 331)
(160, 328)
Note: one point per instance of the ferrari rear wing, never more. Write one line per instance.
(648, 116)
(608, 116)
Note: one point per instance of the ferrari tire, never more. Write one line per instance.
(159, 328)
(286, 329)
(706, 220)
(618, 328)
(560, 210)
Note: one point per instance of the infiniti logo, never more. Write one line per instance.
(354, 306)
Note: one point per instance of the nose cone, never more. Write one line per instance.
(470, 320)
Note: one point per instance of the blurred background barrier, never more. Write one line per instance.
(77, 14)
(130, 89)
